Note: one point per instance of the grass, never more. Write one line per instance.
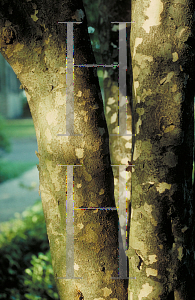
(19, 128)
(10, 170)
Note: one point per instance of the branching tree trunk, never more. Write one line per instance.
(161, 248)
(35, 46)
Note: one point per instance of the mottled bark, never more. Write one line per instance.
(35, 46)
(161, 248)
(120, 146)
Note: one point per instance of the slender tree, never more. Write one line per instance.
(161, 248)
(121, 145)
(34, 44)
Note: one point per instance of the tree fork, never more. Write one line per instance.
(37, 54)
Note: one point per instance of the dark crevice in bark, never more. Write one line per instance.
(140, 262)
(171, 296)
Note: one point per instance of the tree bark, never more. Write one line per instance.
(35, 46)
(120, 146)
(161, 248)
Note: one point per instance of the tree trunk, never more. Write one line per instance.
(121, 145)
(161, 248)
(35, 46)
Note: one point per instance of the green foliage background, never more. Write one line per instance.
(26, 271)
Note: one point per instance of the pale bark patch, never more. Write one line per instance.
(131, 296)
(126, 137)
(150, 182)
(151, 272)
(76, 267)
(124, 161)
(180, 253)
(145, 291)
(185, 31)
(167, 78)
(107, 292)
(46, 42)
(108, 109)
(184, 229)
(152, 258)
(128, 145)
(79, 152)
(62, 70)
(80, 226)
(136, 72)
(52, 117)
(128, 194)
(162, 186)
(138, 99)
(175, 56)
(116, 130)
(111, 100)
(136, 85)
(138, 41)
(153, 13)
(113, 118)
(34, 17)
(79, 94)
(115, 181)
(169, 128)
(138, 124)
(59, 99)
(101, 192)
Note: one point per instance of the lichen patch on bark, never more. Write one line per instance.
(175, 56)
(161, 187)
(52, 117)
(106, 292)
(151, 272)
(145, 291)
(153, 13)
